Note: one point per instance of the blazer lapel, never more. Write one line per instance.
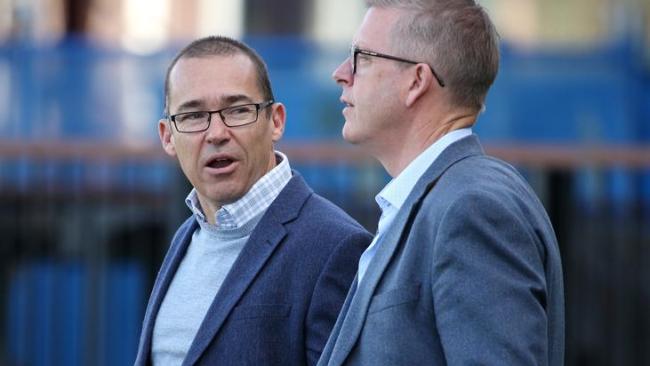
(168, 269)
(263, 241)
(326, 355)
(356, 314)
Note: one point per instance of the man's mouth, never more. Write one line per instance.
(346, 103)
(219, 163)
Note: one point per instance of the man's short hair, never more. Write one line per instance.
(456, 37)
(222, 46)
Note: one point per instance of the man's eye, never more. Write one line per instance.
(192, 116)
(363, 57)
(240, 110)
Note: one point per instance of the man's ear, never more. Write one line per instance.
(166, 136)
(278, 120)
(421, 81)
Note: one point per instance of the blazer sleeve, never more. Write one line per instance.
(330, 291)
(488, 284)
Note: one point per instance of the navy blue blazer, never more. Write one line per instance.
(282, 295)
(468, 273)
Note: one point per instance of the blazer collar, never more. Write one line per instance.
(355, 317)
(263, 241)
(180, 243)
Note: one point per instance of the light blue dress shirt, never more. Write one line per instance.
(392, 197)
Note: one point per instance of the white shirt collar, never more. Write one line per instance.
(254, 202)
(397, 190)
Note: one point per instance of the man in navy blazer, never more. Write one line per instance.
(465, 267)
(259, 272)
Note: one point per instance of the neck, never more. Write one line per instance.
(210, 214)
(421, 135)
(210, 208)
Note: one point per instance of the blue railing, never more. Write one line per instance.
(57, 314)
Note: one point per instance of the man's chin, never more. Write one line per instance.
(349, 135)
(224, 195)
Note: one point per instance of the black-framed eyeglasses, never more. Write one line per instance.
(234, 116)
(354, 51)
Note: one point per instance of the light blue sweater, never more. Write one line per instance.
(205, 266)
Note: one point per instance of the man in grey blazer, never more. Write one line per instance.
(465, 267)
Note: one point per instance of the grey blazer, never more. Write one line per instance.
(469, 273)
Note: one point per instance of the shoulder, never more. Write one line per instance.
(325, 227)
(483, 168)
(322, 238)
(485, 186)
(484, 196)
(483, 177)
(320, 210)
(312, 222)
(312, 209)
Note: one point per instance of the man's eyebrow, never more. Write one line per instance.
(232, 99)
(225, 102)
(190, 104)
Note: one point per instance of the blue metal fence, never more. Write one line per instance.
(49, 319)
(86, 307)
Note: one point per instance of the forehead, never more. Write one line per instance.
(211, 79)
(376, 27)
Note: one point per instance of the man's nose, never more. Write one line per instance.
(343, 73)
(218, 132)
